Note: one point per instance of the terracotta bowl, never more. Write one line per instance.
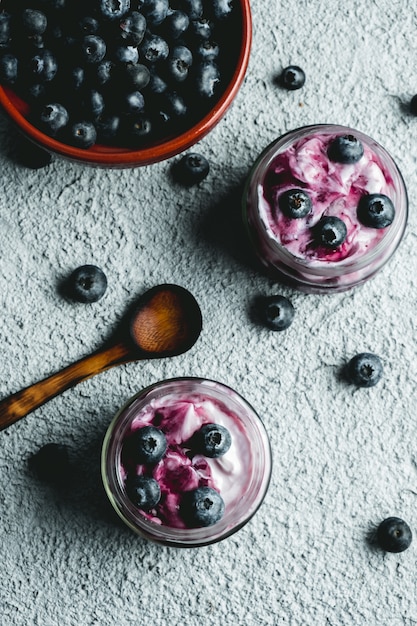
(239, 47)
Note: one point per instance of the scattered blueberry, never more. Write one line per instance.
(212, 440)
(202, 507)
(364, 369)
(394, 535)
(413, 104)
(330, 232)
(191, 169)
(143, 491)
(292, 77)
(87, 283)
(295, 203)
(275, 312)
(149, 444)
(376, 210)
(345, 149)
(51, 463)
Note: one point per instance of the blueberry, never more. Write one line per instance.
(9, 66)
(176, 23)
(82, 134)
(132, 28)
(30, 155)
(345, 149)
(202, 507)
(34, 22)
(113, 9)
(207, 80)
(107, 126)
(126, 54)
(149, 445)
(153, 48)
(364, 369)
(143, 491)
(200, 29)
(5, 30)
(132, 102)
(155, 11)
(394, 535)
(330, 232)
(138, 129)
(51, 463)
(193, 8)
(191, 169)
(156, 84)
(87, 283)
(92, 49)
(42, 66)
(173, 106)
(103, 72)
(376, 210)
(295, 203)
(76, 77)
(52, 118)
(92, 102)
(222, 8)
(212, 440)
(275, 312)
(292, 77)
(88, 25)
(179, 63)
(207, 50)
(136, 76)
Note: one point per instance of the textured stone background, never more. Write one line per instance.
(343, 458)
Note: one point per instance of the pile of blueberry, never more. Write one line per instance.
(148, 445)
(117, 72)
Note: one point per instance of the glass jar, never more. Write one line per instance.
(179, 407)
(286, 245)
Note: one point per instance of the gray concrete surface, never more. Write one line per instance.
(343, 458)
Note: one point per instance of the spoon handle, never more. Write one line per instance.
(23, 402)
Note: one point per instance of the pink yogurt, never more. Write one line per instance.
(286, 246)
(179, 408)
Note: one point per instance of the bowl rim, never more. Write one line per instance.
(114, 157)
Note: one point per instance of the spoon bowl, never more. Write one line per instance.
(166, 321)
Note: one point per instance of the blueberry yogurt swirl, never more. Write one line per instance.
(325, 206)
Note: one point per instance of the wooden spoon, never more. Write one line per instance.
(166, 321)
